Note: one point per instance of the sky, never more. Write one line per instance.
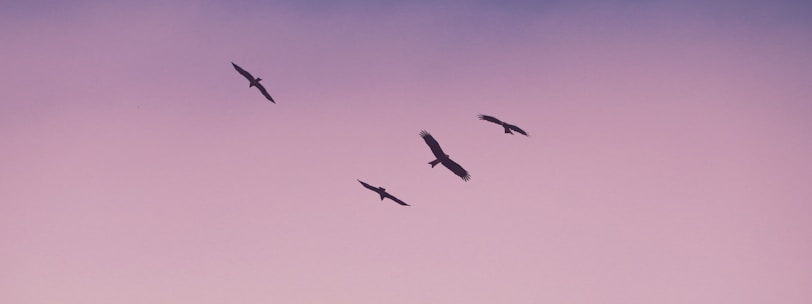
(668, 159)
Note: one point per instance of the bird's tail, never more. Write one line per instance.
(507, 131)
(434, 162)
(255, 82)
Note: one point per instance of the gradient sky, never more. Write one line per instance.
(669, 158)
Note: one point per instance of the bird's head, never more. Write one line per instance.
(259, 79)
(381, 189)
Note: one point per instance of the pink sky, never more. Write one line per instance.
(669, 157)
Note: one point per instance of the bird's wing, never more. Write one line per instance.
(244, 73)
(456, 168)
(517, 129)
(395, 199)
(264, 92)
(433, 144)
(490, 118)
(368, 186)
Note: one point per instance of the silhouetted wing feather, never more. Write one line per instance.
(517, 129)
(490, 118)
(368, 186)
(395, 199)
(456, 168)
(433, 144)
(244, 73)
(264, 92)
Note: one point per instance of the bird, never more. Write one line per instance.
(508, 127)
(253, 82)
(442, 158)
(382, 192)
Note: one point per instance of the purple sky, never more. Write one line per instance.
(669, 158)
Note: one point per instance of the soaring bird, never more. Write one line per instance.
(508, 127)
(382, 192)
(254, 82)
(443, 158)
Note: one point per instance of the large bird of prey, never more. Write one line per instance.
(382, 192)
(253, 82)
(443, 158)
(508, 127)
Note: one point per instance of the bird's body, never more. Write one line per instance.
(443, 158)
(508, 127)
(253, 82)
(382, 192)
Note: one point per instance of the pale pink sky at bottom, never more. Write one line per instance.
(668, 160)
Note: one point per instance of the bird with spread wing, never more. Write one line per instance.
(442, 158)
(253, 82)
(508, 127)
(382, 192)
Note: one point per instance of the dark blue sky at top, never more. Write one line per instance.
(798, 8)
(753, 14)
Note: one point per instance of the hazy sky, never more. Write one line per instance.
(669, 158)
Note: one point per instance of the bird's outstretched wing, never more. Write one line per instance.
(490, 118)
(433, 144)
(244, 73)
(517, 129)
(264, 92)
(456, 168)
(395, 199)
(368, 186)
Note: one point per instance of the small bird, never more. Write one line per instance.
(508, 127)
(443, 158)
(382, 192)
(253, 82)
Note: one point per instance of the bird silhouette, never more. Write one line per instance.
(253, 82)
(508, 127)
(382, 192)
(442, 158)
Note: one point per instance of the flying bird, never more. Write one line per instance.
(443, 158)
(253, 82)
(508, 127)
(382, 192)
